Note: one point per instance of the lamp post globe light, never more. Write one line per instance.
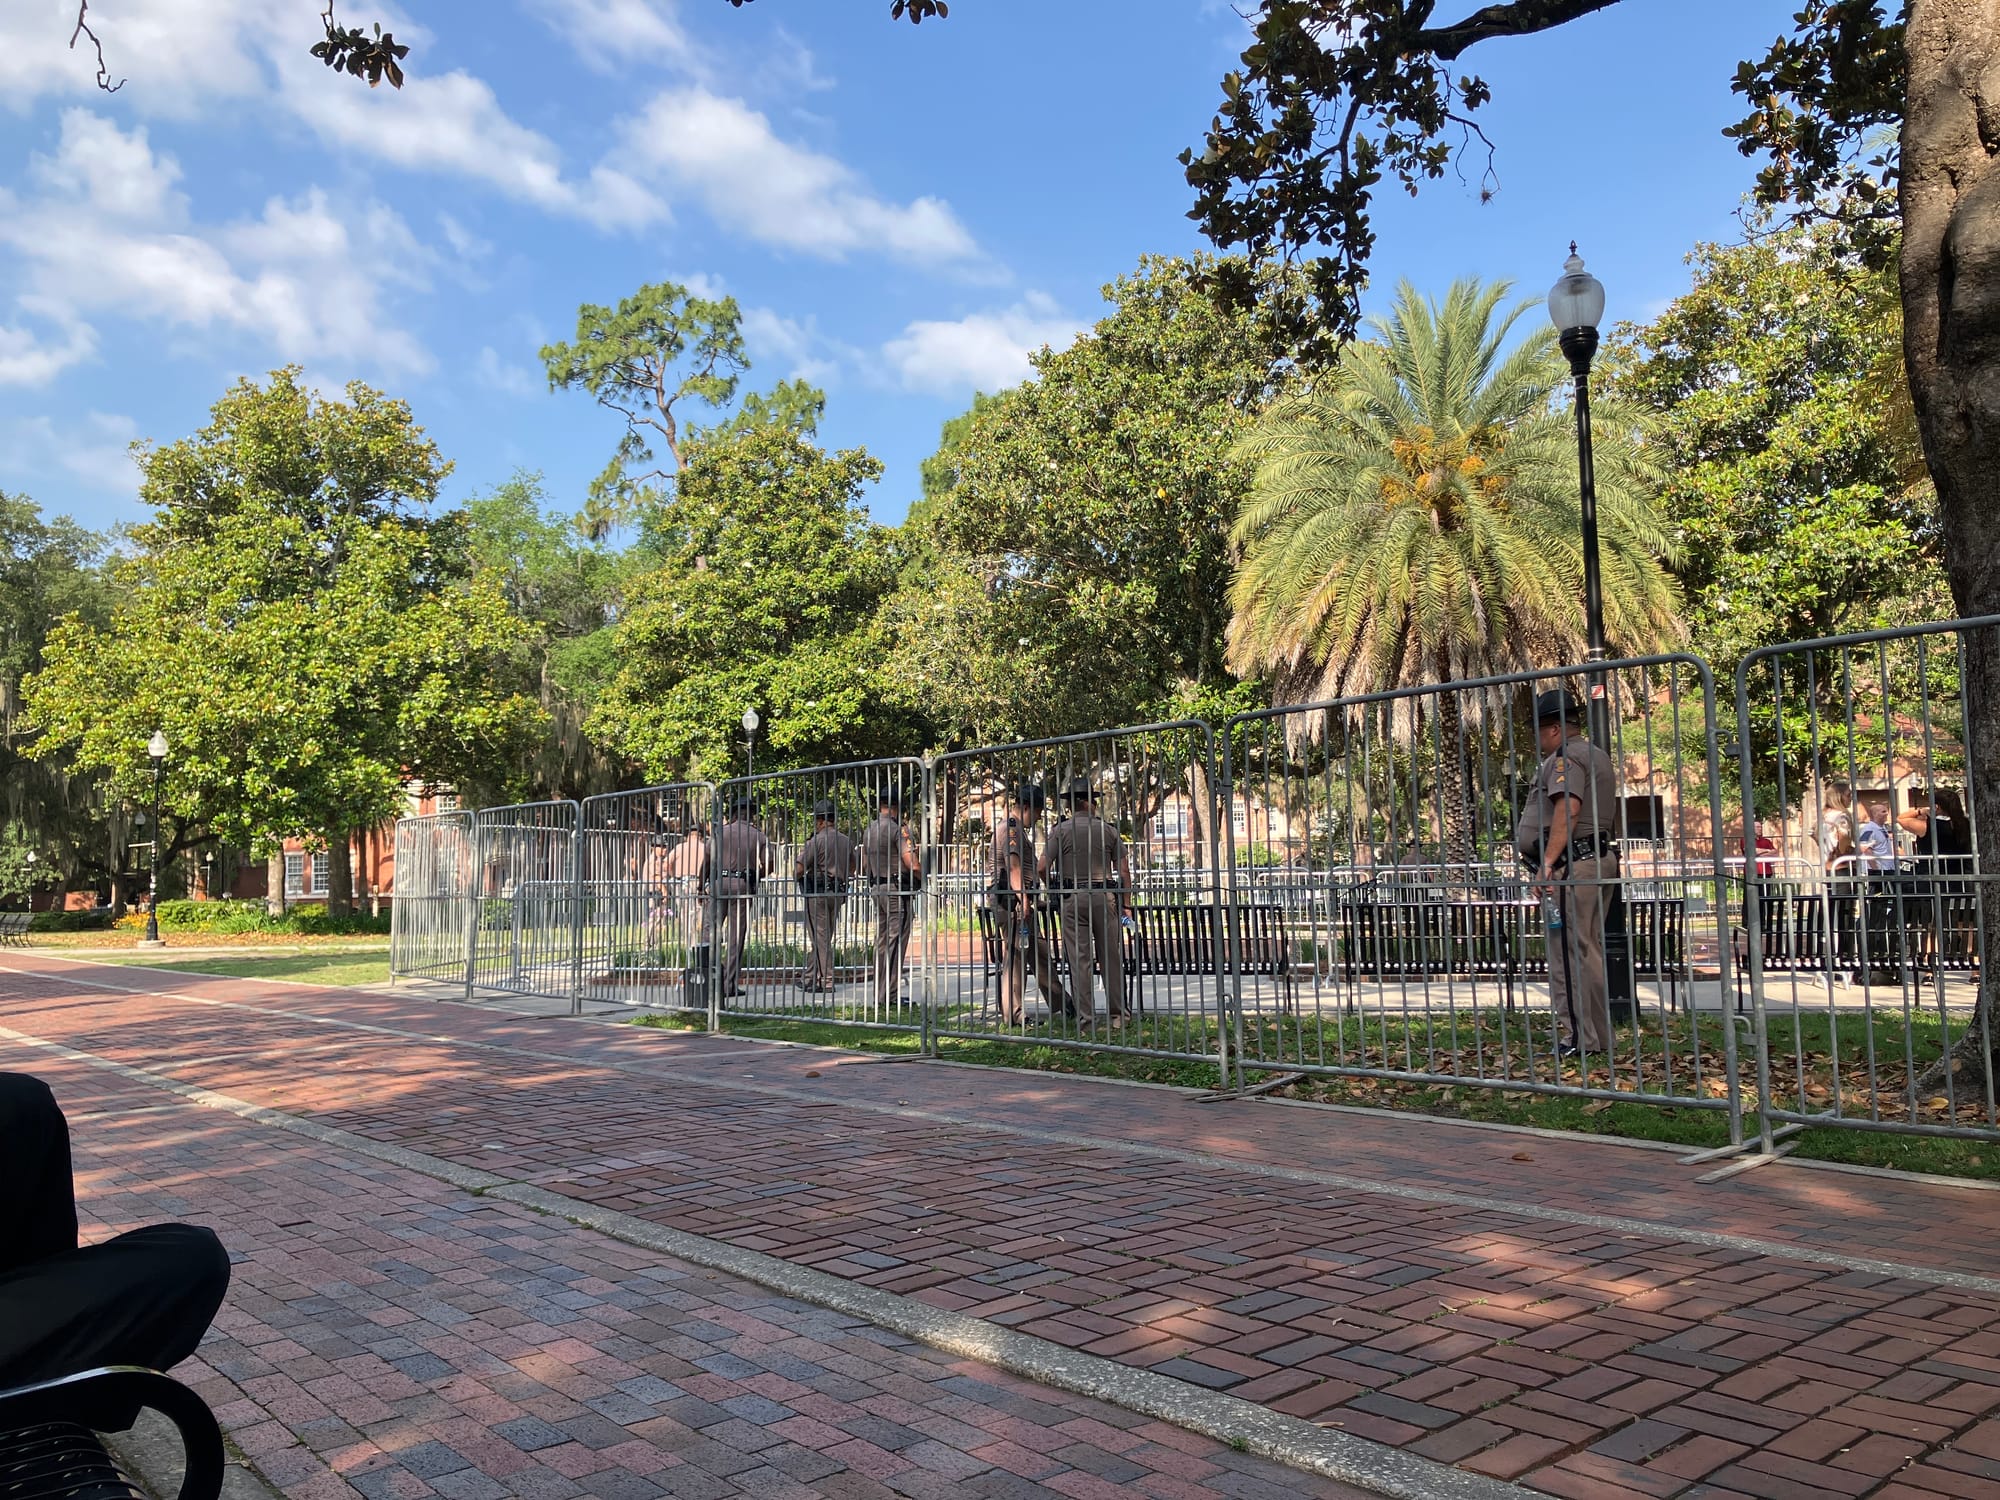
(750, 723)
(156, 751)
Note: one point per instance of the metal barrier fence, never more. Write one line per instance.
(1334, 888)
(1866, 939)
(1395, 923)
(521, 927)
(817, 912)
(1082, 863)
(432, 909)
(642, 906)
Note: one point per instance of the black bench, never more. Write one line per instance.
(1164, 940)
(14, 927)
(49, 1444)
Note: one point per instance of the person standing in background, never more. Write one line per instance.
(1085, 862)
(824, 866)
(895, 875)
(1014, 877)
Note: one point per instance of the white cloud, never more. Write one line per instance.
(985, 351)
(453, 124)
(31, 359)
(728, 155)
(303, 279)
(611, 33)
(794, 345)
(190, 55)
(497, 374)
(97, 451)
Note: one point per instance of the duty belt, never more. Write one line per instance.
(1590, 846)
(736, 874)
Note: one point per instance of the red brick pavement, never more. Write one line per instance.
(1586, 1362)
(389, 1336)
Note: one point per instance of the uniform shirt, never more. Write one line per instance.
(1582, 771)
(1013, 839)
(741, 849)
(882, 849)
(827, 859)
(1083, 850)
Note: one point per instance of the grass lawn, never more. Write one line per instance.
(357, 964)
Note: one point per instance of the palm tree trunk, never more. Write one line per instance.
(1453, 778)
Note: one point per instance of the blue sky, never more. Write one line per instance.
(901, 211)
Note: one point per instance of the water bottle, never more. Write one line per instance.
(1552, 917)
(1125, 921)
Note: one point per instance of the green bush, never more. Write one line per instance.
(69, 921)
(250, 916)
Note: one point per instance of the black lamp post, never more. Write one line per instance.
(156, 749)
(1576, 304)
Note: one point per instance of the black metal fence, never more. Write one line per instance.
(1362, 888)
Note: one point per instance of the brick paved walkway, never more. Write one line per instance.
(389, 1336)
(1588, 1361)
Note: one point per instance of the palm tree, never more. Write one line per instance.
(1415, 521)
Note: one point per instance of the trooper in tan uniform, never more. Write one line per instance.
(1085, 862)
(894, 877)
(1569, 824)
(1011, 896)
(742, 857)
(824, 866)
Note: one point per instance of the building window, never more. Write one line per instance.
(447, 802)
(1239, 820)
(303, 878)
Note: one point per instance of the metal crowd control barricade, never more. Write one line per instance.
(521, 923)
(642, 915)
(1033, 969)
(839, 946)
(1385, 926)
(1867, 971)
(431, 899)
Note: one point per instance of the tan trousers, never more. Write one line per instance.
(822, 920)
(1090, 930)
(1578, 986)
(894, 914)
(732, 914)
(1017, 948)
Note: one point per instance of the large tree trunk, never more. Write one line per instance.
(1950, 201)
(339, 874)
(274, 884)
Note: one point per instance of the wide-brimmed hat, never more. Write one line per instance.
(1028, 794)
(1558, 703)
(823, 808)
(1078, 792)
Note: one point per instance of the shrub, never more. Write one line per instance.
(250, 916)
(69, 921)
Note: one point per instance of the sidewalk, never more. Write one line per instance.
(1577, 1314)
(389, 1336)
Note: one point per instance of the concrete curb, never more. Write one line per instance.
(1340, 1456)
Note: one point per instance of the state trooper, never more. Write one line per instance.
(895, 875)
(1012, 884)
(1085, 864)
(741, 858)
(1567, 835)
(824, 866)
